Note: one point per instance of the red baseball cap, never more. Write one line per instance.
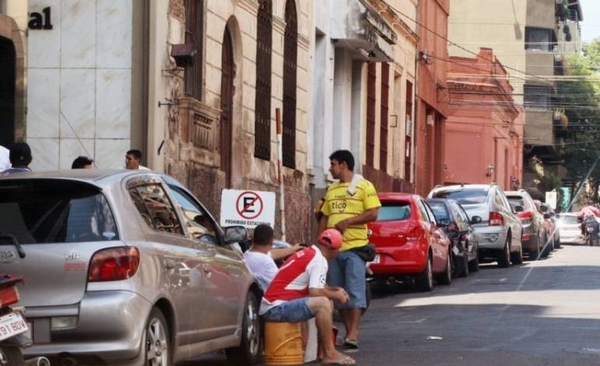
(331, 238)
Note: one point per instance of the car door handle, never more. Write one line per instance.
(169, 264)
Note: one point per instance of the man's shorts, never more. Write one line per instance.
(348, 270)
(293, 311)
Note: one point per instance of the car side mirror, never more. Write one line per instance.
(519, 208)
(547, 215)
(475, 220)
(543, 208)
(235, 234)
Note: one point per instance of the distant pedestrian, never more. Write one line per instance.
(133, 160)
(4, 159)
(20, 158)
(82, 162)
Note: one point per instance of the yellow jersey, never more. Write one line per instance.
(340, 205)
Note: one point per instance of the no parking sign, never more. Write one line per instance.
(247, 208)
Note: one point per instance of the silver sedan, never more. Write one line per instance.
(125, 267)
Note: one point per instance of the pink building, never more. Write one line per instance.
(483, 133)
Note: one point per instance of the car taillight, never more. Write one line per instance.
(496, 219)
(9, 296)
(415, 233)
(114, 264)
(526, 217)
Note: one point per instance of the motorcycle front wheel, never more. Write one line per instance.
(11, 356)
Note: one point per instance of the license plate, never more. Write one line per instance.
(377, 259)
(12, 324)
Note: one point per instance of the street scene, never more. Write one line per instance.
(539, 313)
(288, 182)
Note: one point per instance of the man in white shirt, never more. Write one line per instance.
(260, 258)
(133, 160)
(298, 293)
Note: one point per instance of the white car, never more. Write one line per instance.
(570, 228)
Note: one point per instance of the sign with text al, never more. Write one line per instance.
(247, 208)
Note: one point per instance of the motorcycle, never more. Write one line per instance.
(13, 327)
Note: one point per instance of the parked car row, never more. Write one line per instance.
(453, 230)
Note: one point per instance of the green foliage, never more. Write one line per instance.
(579, 98)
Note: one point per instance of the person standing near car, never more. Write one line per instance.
(349, 205)
(20, 158)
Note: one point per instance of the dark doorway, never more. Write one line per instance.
(227, 76)
(8, 60)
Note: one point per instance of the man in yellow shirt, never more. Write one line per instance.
(349, 205)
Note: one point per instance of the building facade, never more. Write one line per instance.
(484, 124)
(432, 92)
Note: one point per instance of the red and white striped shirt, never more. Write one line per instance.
(303, 270)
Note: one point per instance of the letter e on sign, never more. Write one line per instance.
(249, 205)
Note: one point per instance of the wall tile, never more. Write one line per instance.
(43, 46)
(78, 33)
(43, 103)
(72, 148)
(113, 104)
(110, 154)
(114, 32)
(44, 152)
(77, 103)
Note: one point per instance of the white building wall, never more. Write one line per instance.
(79, 83)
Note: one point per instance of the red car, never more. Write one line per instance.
(409, 243)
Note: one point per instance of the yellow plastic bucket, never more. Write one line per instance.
(283, 344)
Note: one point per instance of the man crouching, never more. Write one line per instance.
(298, 293)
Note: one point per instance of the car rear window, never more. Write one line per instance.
(439, 211)
(567, 219)
(464, 196)
(394, 211)
(54, 211)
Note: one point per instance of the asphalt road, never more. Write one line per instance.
(539, 313)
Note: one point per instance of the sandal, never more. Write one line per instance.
(350, 343)
(347, 360)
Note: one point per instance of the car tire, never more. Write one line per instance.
(534, 255)
(547, 247)
(249, 350)
(424, 280)
(445, 278)
(504, 256)
(517, 257)
(465, 265)
(11, 356)
(157, 340)
(474, 264)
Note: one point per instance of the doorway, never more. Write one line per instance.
(8, 63)
(227, 79)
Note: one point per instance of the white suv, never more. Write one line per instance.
(500, 231)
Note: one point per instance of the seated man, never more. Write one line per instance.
(260, 258)
(298, 293)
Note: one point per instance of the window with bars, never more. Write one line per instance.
(290, 56)
(371, 103)
(194, 35)
(539, 39)
(408, 134)
(384, 117)
(538, 97)
(262, 104)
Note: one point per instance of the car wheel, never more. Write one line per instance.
(158, 345)
(248, 352)
(424, 280)
(504, 256)
(517, 258)
(446, 277)
(474, 264)
(547, 248)
(465, 265)
(557, 243)
(11, 356)
(534, 255)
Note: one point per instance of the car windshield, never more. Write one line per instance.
(51, 211)
(464, 196)
(394, 211)
(520, 201)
